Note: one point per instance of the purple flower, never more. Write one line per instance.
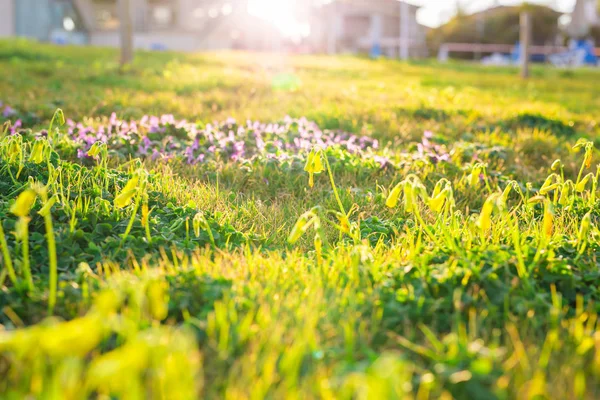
(193, 144)
(383, 161)
(81, 154)
(8, 111)
(15, 127)
(144, 146)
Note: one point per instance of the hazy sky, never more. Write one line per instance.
(436, 12)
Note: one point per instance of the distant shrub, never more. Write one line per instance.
(499, 25)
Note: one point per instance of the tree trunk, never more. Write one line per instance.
(126, 28)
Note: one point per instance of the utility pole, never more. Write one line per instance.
(525, 43)
(404, 30)
(126, 28)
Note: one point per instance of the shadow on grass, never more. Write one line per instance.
(429, 114)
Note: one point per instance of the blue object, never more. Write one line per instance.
(60, 41)
(158, 47)
(376, 51)
(516, 54)
(590, 56)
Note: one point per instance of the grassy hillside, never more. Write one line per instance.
(259, 226)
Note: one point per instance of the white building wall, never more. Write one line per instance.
(376, 31)
(7, 18)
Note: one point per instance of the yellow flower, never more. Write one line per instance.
(198, 222)
(48, 206)
(145, 214)
(344, 223)
(73, 338)
(314, 165)
(437, 203)
(14, 150)
(588, 159)
(95, 149)
(24, 202)
(557, 164)
(564, 195)
(485, 217)
(158, 299)
(408, 198)
(584, 228)
(549, 184)
(318, 244)
(474, 177)
(580, 187)
(392, 199)
(548, 218)
(301, 226)
(124, 198)
(37, 152)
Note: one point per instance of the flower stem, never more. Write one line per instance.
(335, 192)
(25, 244)
(6, 255)
(53, 262)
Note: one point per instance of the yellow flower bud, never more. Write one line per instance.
(128, 192)
(37, 152)
(314, 165)
(48, 206)
(158, 299)
(580, 187)
(557, 164)
(485, 217)
(95, 149)
(474, 178)
(588, 159)
(301, 226)
(565, 195)
(408, 198)
(548, 221)
(14, 150)
(145, 214)
(437, 203)
(584, 228)
(392, 199)
(24, 202)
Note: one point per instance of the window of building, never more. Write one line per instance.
(356, 26)
(106, 14)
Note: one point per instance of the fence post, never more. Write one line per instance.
(525, 34)
(126, 28)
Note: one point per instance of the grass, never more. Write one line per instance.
(442, 252)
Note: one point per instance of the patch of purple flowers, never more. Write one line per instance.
(9, 112)
(434, 152)
(165, 138)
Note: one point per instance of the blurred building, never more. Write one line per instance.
(585, 16)
(339, 26)
(184, 25)
(41, 20)
(367, 26)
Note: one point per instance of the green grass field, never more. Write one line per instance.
(295, 227)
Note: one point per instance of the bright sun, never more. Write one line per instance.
(282, 14)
